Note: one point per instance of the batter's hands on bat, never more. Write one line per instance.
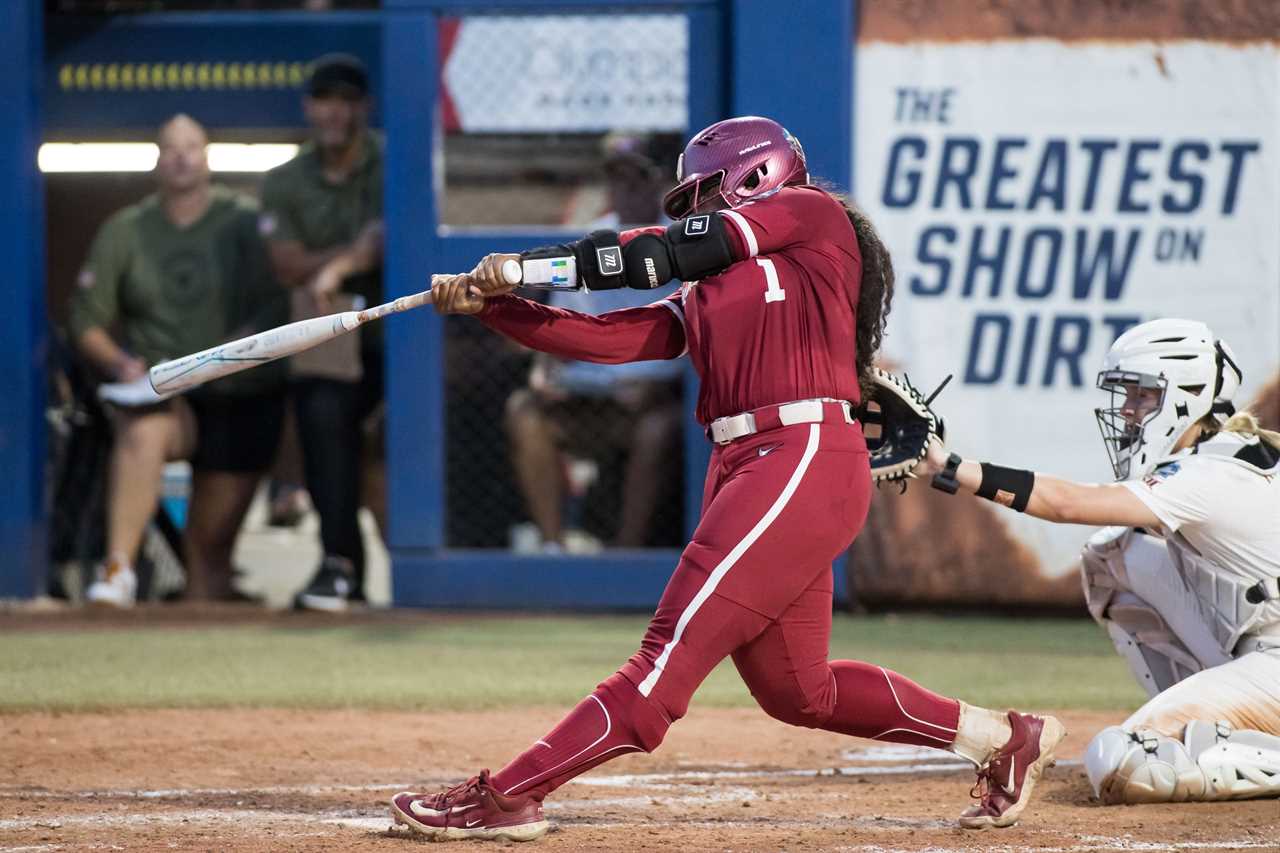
(455, 294)
(488, 277)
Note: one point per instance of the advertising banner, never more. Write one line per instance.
(1039, 198)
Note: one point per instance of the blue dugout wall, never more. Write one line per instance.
(742, 60)
(23, 339)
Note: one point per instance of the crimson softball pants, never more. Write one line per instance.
(754, 584)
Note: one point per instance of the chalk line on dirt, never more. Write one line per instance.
(659, 781)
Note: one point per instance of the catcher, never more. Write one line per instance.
(1186, 580)
(784, 302)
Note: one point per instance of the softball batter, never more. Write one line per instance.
(784, 302)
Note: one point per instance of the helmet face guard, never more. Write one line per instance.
(699, 194)
(1137, 399)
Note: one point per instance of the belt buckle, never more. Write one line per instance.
(730, 427)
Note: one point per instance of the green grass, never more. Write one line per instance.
(453, 664)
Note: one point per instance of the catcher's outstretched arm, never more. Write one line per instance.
(1041, 495)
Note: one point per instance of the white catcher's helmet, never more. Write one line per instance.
(1163, 376)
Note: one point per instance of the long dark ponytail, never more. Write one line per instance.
(875, 292)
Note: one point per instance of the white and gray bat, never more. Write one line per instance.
(182, 374)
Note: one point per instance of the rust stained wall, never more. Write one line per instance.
(948, 20)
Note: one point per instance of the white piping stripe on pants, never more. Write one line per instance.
(906, 713)
(942, 740)
(713, 580)
(608, 727)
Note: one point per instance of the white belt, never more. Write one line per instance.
(730, 428)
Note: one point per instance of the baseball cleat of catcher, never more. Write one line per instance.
(1005, 783)
(471, 810)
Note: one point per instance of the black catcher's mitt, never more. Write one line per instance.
(898, 423)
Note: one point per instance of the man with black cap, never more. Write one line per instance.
(322, 219)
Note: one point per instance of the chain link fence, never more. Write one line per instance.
(574, 122)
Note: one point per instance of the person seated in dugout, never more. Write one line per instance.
(182, 270)
(597, 410)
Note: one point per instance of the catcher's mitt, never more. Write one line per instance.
(898, 423)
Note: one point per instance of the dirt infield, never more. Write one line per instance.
(724, 780)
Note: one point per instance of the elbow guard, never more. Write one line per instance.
(690, 249)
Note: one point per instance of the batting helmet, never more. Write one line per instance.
(733, 162)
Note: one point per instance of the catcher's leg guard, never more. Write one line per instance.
(1210, 762)
(1239, 764)
(1157, 638)
(1155, 656)
(1141, 767)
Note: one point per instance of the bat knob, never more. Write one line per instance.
(512, 272)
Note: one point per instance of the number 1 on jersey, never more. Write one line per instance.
(773, 291)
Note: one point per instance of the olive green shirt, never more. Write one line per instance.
(173, 291)
(299, 203)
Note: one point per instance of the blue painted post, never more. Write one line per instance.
(800, 73)
(415, 382)
(22, 324)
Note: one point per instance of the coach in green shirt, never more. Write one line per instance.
(182, 270)
(322, 217)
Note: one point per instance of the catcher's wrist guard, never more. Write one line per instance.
(945, 480)
(1009, 487)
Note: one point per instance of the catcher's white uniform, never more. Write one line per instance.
(1194, 608)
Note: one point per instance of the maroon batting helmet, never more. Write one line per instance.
(733, 162)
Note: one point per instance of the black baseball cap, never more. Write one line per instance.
(338, 74)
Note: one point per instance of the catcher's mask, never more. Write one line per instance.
(1136, 398)
(1163, 377)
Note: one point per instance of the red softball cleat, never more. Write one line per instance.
(1005, 783)
(473, 809)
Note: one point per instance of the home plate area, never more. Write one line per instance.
(726, 779)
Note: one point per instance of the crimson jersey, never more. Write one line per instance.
(778, 325)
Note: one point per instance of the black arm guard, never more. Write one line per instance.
(597, 256)
(690, 249)
(1009, 487)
